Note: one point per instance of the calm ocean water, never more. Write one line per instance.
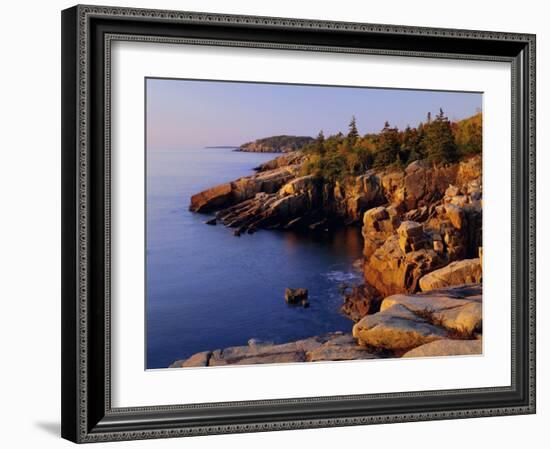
(207, 289)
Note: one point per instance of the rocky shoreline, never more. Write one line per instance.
(328, 347)
(422, 265)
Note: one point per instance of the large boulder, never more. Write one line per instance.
(410, 229)
(374, 218)
(269, 181)
(379, 223)
(303, 184)
(411, 236)
(441, 348)
(362, 194)
(212, 199)
(436, 300)
(391, 270)
(467, 271)
(397, 329)
(462, 321)
(407, 321)
(360, 300)
(458, 225)
(458, 309)
(196, 360)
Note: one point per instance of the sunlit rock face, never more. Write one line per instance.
(405, 322)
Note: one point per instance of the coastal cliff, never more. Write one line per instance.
(278, 196)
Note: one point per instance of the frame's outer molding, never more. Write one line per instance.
(86, 411)
(69, 207)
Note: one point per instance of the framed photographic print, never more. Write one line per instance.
(276, 224)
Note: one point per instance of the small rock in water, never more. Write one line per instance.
(296, 295)
(212, 221)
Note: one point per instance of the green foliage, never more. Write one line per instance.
(412, 146)
(439, 141)
(281, 142)
(468, 135)
(338, 157)
(388, 146)
(353, 134)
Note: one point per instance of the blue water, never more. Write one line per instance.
(207, 289)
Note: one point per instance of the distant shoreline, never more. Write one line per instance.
(222, 146)
(240, 150)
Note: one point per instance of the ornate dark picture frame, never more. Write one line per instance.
(87, 33)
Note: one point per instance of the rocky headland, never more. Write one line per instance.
(421, 293)
(275, 144)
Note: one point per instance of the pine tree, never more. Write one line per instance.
(319, 144)
(388, 146)
(411, 145)
(353, 134)
(439, 140)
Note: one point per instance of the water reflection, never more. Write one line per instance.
(343, 240)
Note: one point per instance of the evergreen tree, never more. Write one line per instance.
(439, 140)
(421, 148)
(353, 134)
(319, 144)
(388, 146)
(411, 145)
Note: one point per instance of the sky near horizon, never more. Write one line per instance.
(194, 114)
